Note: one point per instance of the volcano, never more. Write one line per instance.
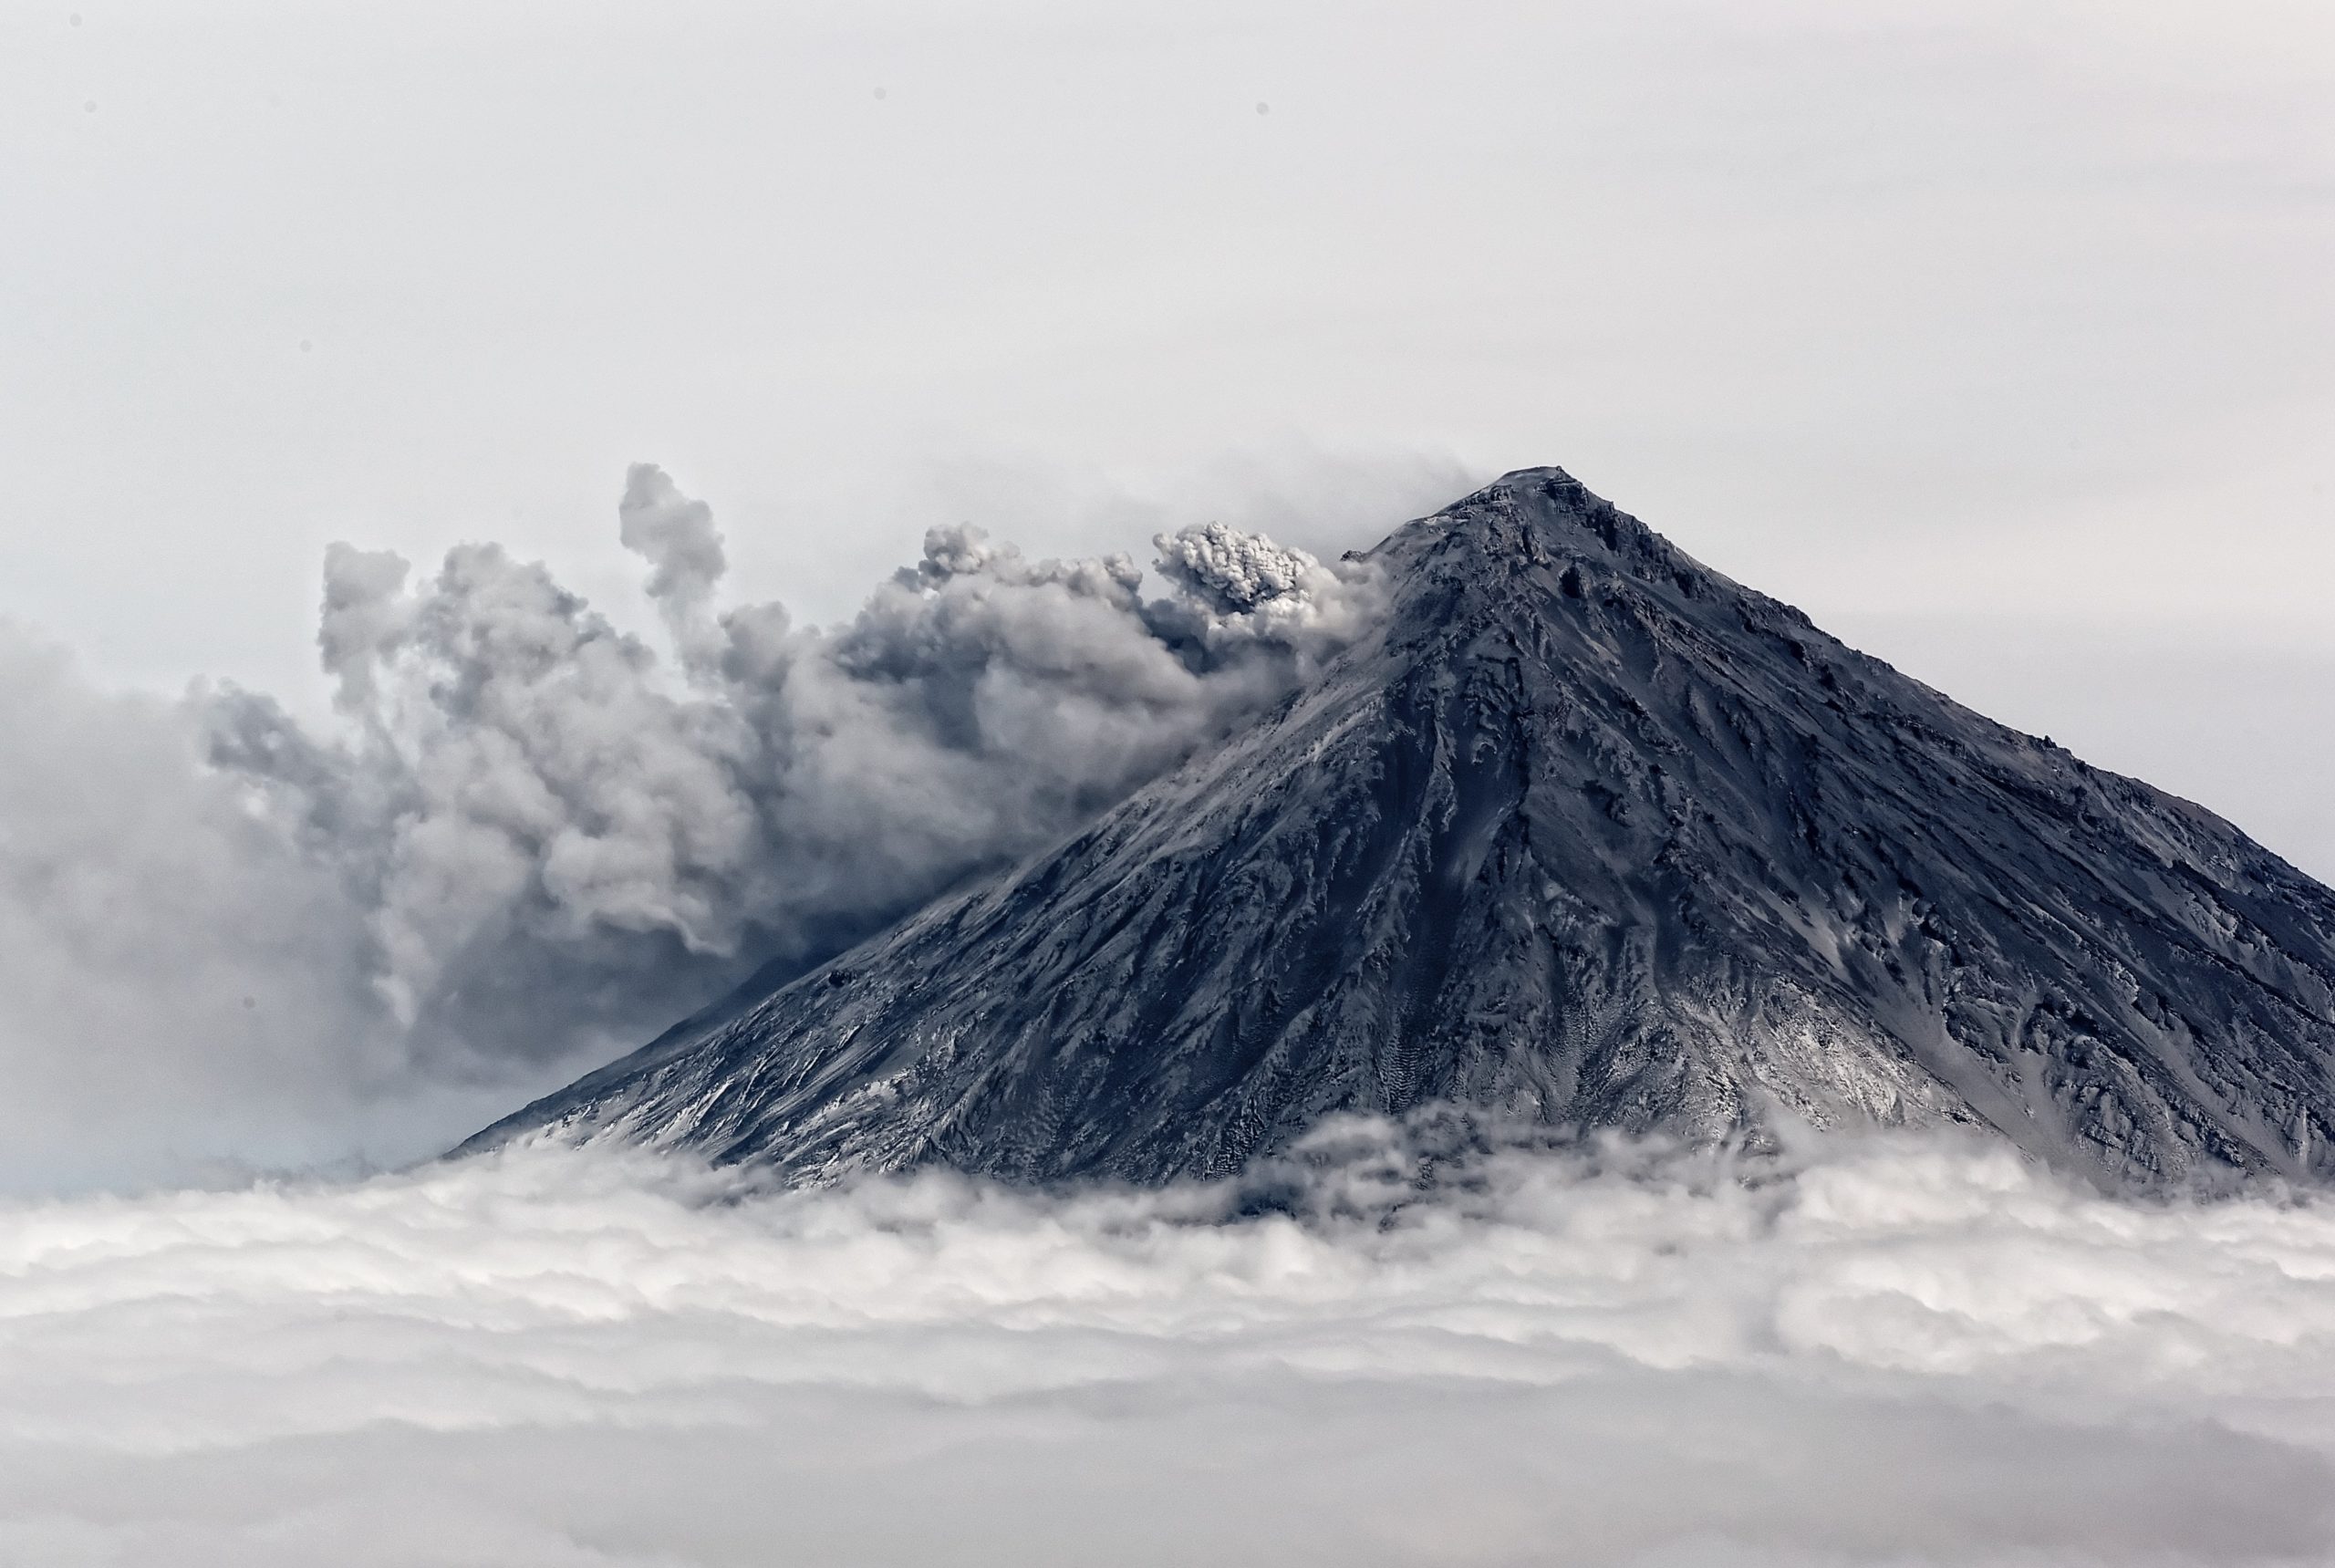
(1582, 835)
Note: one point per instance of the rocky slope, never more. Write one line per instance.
(1588, 835)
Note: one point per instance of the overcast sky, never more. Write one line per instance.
(1996, 334)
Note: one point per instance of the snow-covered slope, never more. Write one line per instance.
(1590, 835)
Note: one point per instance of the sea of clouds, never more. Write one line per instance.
(1895, 1350)
(531, 839)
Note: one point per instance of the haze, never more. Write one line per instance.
(1996, 335)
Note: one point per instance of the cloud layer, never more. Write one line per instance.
(1895, 1350)
(532, 840)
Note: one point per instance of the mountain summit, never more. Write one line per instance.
(1585, 834)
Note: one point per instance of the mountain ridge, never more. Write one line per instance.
(1589, 835)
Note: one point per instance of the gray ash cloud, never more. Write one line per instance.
(531, 836)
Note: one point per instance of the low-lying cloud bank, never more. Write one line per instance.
(534, 841)
(1898, 1350)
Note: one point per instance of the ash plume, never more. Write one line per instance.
(532, 837)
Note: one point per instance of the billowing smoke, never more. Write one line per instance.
(531, 840)
(181, 974)
(1895, 1350)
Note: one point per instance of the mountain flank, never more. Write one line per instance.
(1586, 834)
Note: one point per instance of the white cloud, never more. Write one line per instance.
(1891, 1351)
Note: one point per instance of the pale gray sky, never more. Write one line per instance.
(1996, 335)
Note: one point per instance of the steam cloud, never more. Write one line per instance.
(534, 841)
(1891, 1351)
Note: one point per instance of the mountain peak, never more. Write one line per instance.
(1536, 509)
(1549, 483)
(1543, 517)
(1590, 836)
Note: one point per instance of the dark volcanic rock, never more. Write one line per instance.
(1589, 835)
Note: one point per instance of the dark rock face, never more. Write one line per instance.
(1590, 835)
